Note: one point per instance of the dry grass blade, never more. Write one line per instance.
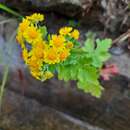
(2, 87)
(6, 21)
(122, 38)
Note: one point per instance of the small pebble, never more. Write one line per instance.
(116, 50)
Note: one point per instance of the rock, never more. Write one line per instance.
(66, 7)
(111, 111)
(122, 62)
(21, 113)
(112, 14)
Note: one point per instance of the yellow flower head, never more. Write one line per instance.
(58, 41)
(69, 45)
(38, 53)
(25, 55)
(38, 50)
(51, 56)
(64, 54)
(48, 75)
(75, 34)
(32, 35)
(36, 17)
(23, 26)
(35, 73)
(20, 40)
(34, 62)
(41, 44)
(65, 30)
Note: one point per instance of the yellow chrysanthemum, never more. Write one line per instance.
(24, 25)
(65, 30)
(69, 45)
(32, 35)
(33, 62)
(51, 56)
(75, 34)
(36, 17)
(64, 54)
(35, 73)
(25, 55)
(20, 40)
(48, 75)
(38, 50)
(41, 44)
(58, 41)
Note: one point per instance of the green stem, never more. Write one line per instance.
(5, 8)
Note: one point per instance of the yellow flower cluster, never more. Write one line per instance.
(38, 51)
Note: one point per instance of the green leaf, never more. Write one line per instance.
(96, 61)
(68, 72)
(63, 73)
(52, 68)
(49, 37)
(44, 32)
(100, 54)
(88, 81)
(103, 56)
(90, 87)
(103, 45)
(89, 45)
(88, 73)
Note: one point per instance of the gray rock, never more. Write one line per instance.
(21, 113)
(66, 7)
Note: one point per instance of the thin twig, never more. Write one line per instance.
(6, 71)
(3, 84)
(6, 21)
(122, 37)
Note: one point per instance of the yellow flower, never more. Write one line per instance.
(41, 44)
(36, 71)
(38, 50)
(38, 53)
(32, 35)
(48, 75)
(25, 55)
(36, 74)
(20, 40)
(51, 56)
(65, 30)
(33, 62)
(75, 34)
(24, 25)
(36, 17)
(64, 54)
(69, 45)
(58, 41)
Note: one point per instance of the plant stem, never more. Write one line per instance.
(5, 8)
(3, 84)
